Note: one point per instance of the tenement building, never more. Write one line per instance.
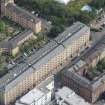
(87, 76)
(5, 2)
(20, 16)
(12, 46)
(46, 61)
(40, 95)
(30, 22)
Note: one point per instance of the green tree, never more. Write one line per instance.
(55, 31)
(98, 3)
(84, 17)
(2, 26)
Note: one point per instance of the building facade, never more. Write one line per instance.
(40, 95)
(3, 3)
(20, 16)
(12, 45)
(46, 61)
(74, 77)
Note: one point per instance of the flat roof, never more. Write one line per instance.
(46, 85)
(38, 92)
(70, 97)
(33, 95)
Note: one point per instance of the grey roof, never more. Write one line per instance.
(97, 49)
(40, 57)
(71, 73)
(77, 28)
(42, 52)
(6, 45)
(23, 67)
(74, 36)
(77, 78)
(37, 92)
(93, 53)
(49, 56)
(43, 84)
(18, 78)
(15, 72)
(98, 81)
(22, 12)
(12, 43)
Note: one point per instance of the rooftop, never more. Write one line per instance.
(12, 43)
(38, 92)
(22, 12)
(20, 36)
(91, 54)
(71, 31)
(70, 97)
(71, 72)
(41, 56)
(33, 95)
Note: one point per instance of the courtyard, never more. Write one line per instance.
(8, 29)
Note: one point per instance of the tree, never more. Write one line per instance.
(58, 13)
(2, 26)
(55, 31)
(84, 17)
(98, 3)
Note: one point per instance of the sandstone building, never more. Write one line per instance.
(46, 61)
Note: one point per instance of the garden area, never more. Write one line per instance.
(30, 46)
(3, 70)
(4, 60)
(8, 29)
(94, 72)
